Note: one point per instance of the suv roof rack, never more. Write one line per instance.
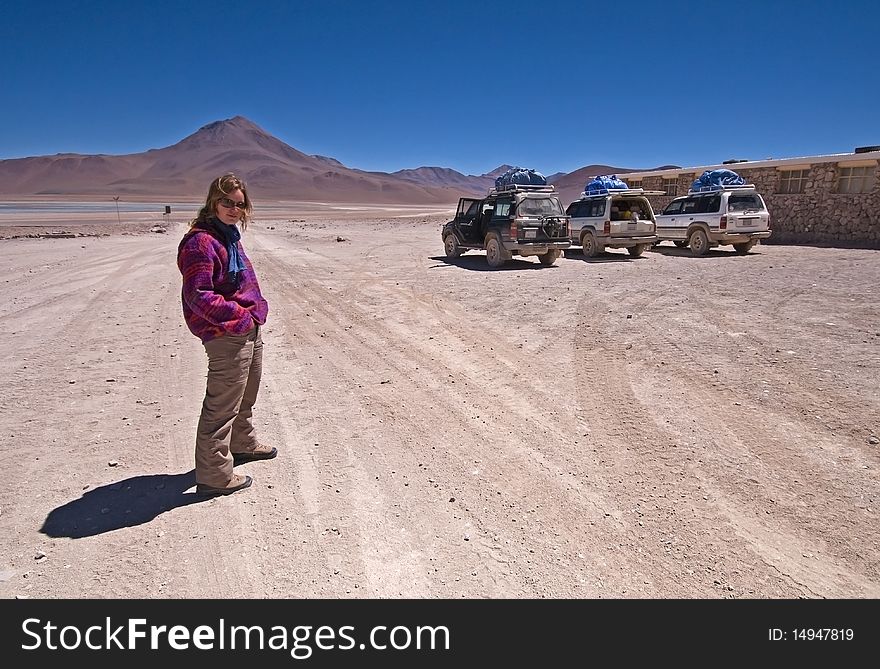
(510, 188)
(714, 189)
(621, 191)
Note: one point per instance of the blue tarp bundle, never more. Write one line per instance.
(604, 183)
(522, 176)
(717, 178)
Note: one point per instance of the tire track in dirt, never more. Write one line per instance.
(716, 435)
(391, 340)
(428, 447)
(762, 389)
(131, 281)
(336, 503)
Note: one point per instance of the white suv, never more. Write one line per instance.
(621, 218)
(720, 215)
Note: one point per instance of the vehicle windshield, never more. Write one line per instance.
(544, 206)
(745, 202)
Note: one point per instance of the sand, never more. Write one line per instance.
(659, 427)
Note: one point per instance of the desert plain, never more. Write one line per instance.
(655, 427)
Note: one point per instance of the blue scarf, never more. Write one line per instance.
(231, 235)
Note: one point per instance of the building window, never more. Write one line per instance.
(793, 181)
(856, 180)
(670, 186)
(635, 183)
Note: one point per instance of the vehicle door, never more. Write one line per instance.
(746, 213)
(540, 217)
(466, 218)
(667, 225)
(577, 212)
(631, 217)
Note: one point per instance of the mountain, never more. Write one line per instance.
(443, 176)
(330, 161)
(271, 168)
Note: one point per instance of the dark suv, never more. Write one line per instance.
(518, 219)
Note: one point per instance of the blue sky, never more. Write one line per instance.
(551, 85)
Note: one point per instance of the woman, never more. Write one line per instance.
(223, 306)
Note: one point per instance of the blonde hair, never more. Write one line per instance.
(220, 188)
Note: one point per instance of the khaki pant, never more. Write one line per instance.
(235, 365)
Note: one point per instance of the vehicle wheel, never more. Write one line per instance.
(591, 247)
(496, 255)
(744, 248)
(453, 250)
(699, 242)
(637, 250)
(549, 258)
(680, 243)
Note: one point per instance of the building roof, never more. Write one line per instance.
(866, 158)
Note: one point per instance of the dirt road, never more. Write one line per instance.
(659, 427)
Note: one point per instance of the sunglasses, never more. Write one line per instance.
(229, 204)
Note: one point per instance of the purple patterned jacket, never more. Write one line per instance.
(212, 305)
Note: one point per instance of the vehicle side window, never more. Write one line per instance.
(709, 205)
(502, 209)
(673, 208)
(689, 206)
(587, 209)
(468, 208)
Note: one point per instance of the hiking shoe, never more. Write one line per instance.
(237, 482)
(259, 453)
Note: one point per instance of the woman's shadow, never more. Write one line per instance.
(126, 503)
